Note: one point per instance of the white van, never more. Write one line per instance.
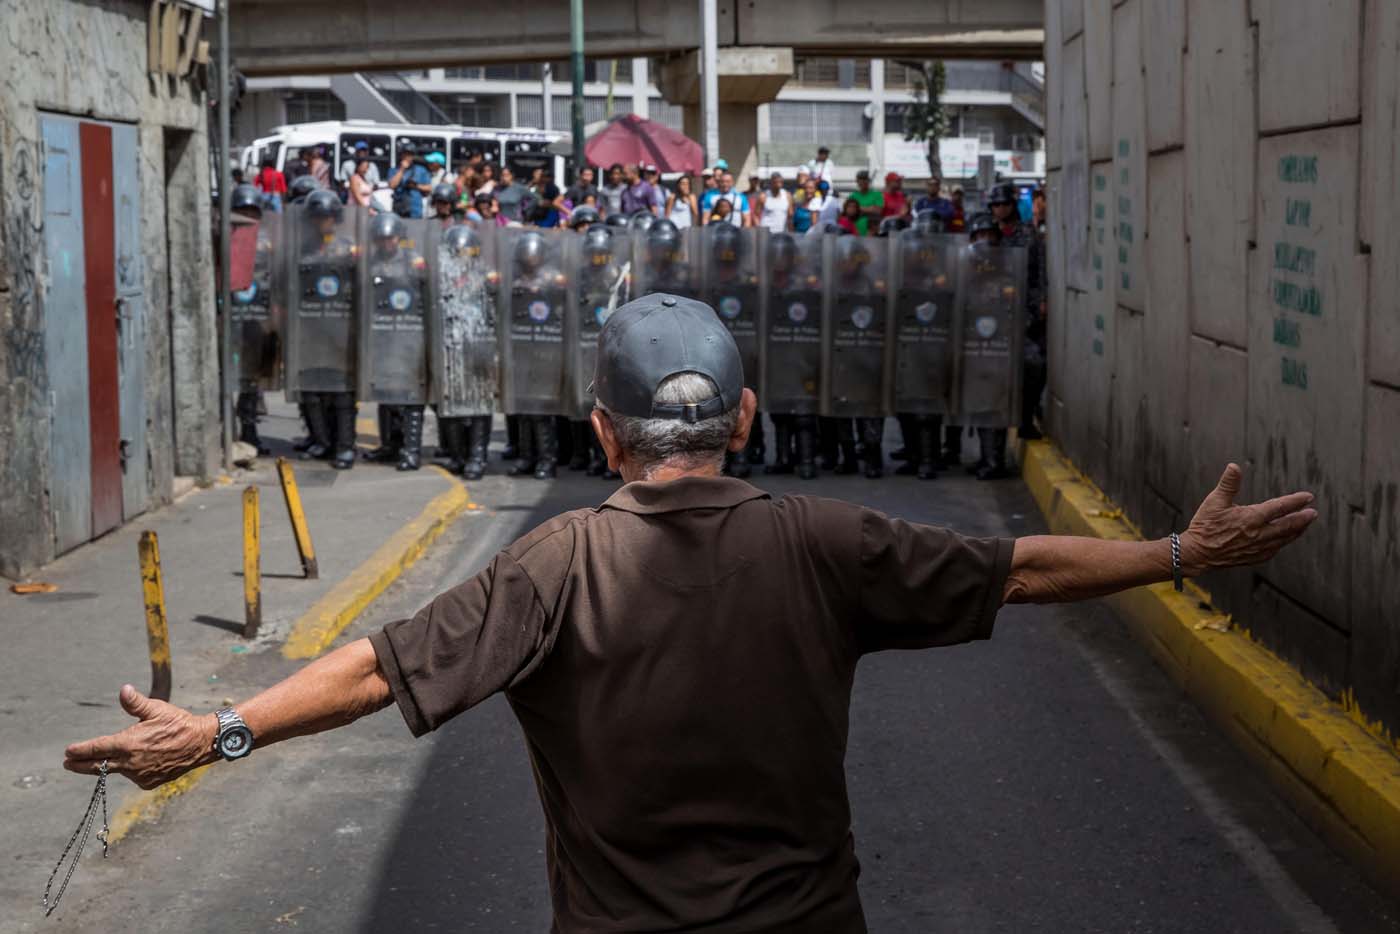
(522, 151)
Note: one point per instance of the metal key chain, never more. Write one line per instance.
(80, 837)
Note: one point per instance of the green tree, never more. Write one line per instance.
(926, 120)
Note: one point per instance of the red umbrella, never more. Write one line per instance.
(630, 138)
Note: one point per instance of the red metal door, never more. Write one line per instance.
(104, 401)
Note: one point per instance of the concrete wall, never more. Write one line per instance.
(1224, 280)
(88, 58)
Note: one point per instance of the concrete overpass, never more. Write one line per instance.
(287, 37)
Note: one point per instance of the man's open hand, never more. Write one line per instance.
(166, 743)
(1223, 535)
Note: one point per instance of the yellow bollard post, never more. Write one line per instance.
(252, 571)
(157, 633)
(298, 517)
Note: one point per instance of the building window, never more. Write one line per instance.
(844, 73)
(817, 122)
(473, 109)
(527, 72)
(667, 114)
(529, 111)
(895, 115)
(475, 72)
(313, 106)
(594, 109)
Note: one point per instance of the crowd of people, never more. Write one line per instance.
(483, 193)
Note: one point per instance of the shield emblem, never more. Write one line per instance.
(986, 327)
(730, 307)
(926, 312)
(400, 300)
(539, 311)
(862, 316)
(797, 312)
(601, 315)
(328, 286)
(246, 296)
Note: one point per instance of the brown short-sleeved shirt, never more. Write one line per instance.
(681, 661)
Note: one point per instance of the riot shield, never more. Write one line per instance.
(322, 254)
(732, 257)
(257, 313)
(921, 351)
(793, 314)
(462, 343)
(601, 284)
(534, 291)
(989, 325)
(667, 260)
(854, 338)
(398, 285)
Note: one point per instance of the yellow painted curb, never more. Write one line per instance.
(319, 626)
(147, 805)
(1342, 780)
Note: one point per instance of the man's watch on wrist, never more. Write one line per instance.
(233, 740)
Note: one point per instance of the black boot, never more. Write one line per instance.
(512, 449)
(410, 454)
(580, 434)
(927, 434)
(756, 450)
(247, 409)
(546, 447)
(782, 446)
(452, 442)
(847, 464)
(478, 440)
(872, 436)
(952, 445)
(993, 454)
(390, 435)
(806, 447)
(828, 443)
(525, 446)
(344, 404)
(300, 446)
(318, 426)
(908, 430)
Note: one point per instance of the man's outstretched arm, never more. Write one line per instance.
(1061, 568)
(169, 741)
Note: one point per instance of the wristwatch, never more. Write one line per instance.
(234, 740)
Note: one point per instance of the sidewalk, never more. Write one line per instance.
(67, 653)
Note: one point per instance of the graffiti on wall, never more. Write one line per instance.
(23, 229)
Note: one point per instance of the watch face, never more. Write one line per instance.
(235, 742)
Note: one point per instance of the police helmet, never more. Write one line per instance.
(323, 203)
(584, 215)
(445, 191)
(1002, 193)
(983, 222)
(852, 253)
(387, 227)
(642, 220)
(530, 251)
(597, 244)
(928, 221)
(246, 198)
(301, 188)
(891, 225)
(461, 240)
(726, 244)
(617, 220)
(782, 251)
(663, 239)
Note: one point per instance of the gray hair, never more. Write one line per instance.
(653, 442)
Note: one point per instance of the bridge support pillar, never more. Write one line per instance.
(748, 76)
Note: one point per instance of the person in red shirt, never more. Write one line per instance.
(272, 183)
(896, 201)
(849, 220)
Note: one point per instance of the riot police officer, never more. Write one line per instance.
(534, 286)
(733, 293)
(257, 330)
(666, 266)
(857, 290)
(1016, 233)
(985, 232)
(326, 352)
(925, 300)
(793, 338)
(467, 375)
(602, 284)
(398, 283)
(444, 198)
(301, 188)
(583, 217)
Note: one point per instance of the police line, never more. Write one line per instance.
(413, 312)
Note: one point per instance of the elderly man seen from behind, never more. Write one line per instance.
(681, 657)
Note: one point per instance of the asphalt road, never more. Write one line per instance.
(1051, 779)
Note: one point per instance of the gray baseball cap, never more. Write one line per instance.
(655, 337)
